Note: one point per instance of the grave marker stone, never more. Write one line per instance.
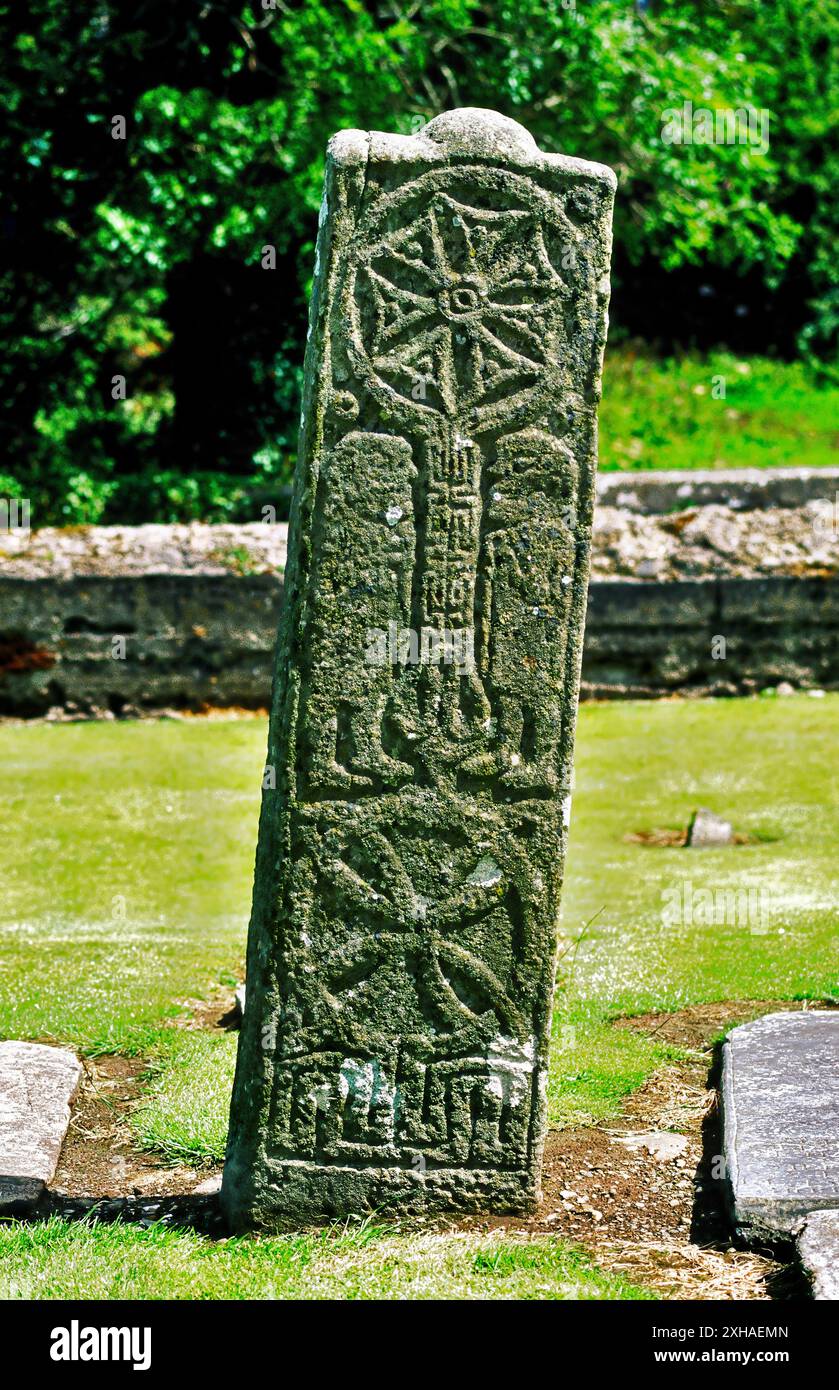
(818, 1251)
(37, 1086)
(780, 1094)
(402, 945)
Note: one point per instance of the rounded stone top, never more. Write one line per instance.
(476, 130)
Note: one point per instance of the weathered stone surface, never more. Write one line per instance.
(196, 638)
(402, 945)
(780, 1089)
(735, 525)
(708, 830)
(818, 1250)
(799, 522)
(187, 640)
(208, 1187)
(123, 552)
(660, 1144)
(197, 605)
(711, 542)
(742, 489)
(37, 1085)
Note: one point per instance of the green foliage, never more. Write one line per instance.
(184, 1116)
(357, 1260)
(142, 257)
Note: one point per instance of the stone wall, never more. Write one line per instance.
(117, 620)
(660, 638)
(189, 641)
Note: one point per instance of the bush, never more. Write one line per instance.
(141, 258)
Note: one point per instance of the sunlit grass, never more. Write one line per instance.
(162, 818)
(714, 411)
(184, 1117)
(57, 1259)
(128, 855)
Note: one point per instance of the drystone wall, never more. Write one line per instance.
(700, 583)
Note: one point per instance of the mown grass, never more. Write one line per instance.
(162, 817)
(768, 766)
(57, 1259)
(128, 861)
(671, 412)
(184, 1116)
(129, 852)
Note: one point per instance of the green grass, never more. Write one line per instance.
(128, 856)
(767, 765)
(669, 413)
(163, 817)
(594, 1065)
(184, 1117)
(61, 1260)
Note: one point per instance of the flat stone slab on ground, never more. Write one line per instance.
(37, 1085)
(781, 1120)
(818, 1248)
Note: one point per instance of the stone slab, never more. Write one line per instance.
(818, 1250)
(743, 489)
(780, 1087)
(402, 945)
(37, 1085)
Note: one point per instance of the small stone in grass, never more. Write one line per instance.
(208, 1187)
(661, 1144)
(708, 830)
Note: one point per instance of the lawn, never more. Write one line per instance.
(714, 411)
(79, 1260)
(128, 860)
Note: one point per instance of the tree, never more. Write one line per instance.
(144, 256)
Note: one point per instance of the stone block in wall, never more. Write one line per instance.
(782, 600)
(617, 603)
(154, 641)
